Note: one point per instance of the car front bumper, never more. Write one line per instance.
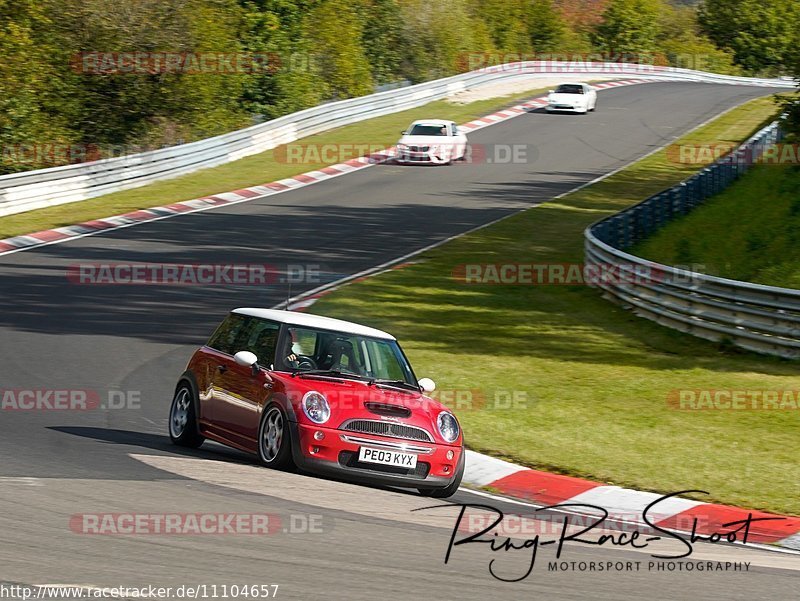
(562, 108)
(337, 455)
(420, 157)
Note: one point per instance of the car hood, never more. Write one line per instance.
(567, 98)
(426, 140)
(354, 399)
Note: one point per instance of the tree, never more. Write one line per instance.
(443, 35)
(335, 31)
(580, 18)
(36, 98)
(545, 26)
(275, 29)
(151, 107)
(759, 34)
(683, 44)
(506, 22)
(629, 27)
(383, 40)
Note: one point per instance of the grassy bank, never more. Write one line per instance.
(591, 380)
(250, 171)
(749, 232)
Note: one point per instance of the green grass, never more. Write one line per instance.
(251, 171)
(749, 232)
(591, 378)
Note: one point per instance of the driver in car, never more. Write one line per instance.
(290, 357)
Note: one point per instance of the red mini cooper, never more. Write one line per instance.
(326, 395)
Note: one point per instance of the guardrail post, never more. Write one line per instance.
(660, 211)
(705, 189)
(627, 231)
(647, 218)
(693, 191)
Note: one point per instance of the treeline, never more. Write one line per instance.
(81, 79)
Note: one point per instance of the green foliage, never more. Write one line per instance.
(507, 24)
(335, 32)
(683, 43)
(31, 88)
(313, 51)
(629, 27)
(290, 83)
(151, 108)
(738, 234)
(759, 34)
(441, 36)
(383, 40)
(546, 27)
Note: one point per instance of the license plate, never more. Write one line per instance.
(395, 458)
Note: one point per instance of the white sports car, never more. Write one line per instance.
(572, 98)
(432, 141)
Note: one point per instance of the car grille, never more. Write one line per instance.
(419, 148)
(350, 459)
(390, 429)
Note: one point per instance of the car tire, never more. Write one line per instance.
(450, 489)
(274, 439)
(183, 427)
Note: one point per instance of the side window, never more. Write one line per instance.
(304, 341)
(224, 339)
(385, 362)
(262, 339)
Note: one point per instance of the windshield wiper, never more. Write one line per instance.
(334, 373)
(397, 383)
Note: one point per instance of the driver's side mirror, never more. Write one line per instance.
(247, 359)
(427, 385)
(551, 91)
(403, 133)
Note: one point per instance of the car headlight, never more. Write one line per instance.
(402, 147)
(316, 407)
(448, 426)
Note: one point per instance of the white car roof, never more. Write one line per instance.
(431, 122)
(314, 321)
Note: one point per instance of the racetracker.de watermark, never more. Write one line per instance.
(563, 62)
(68, 399)
(704, 154)
(187, 274)
(184, 63)
(196, 524)
(392, 397)
(472, 154)
(734, 400)
(569, 274)
(477, 399)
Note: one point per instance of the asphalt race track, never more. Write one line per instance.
(137, 339)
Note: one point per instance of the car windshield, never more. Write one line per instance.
(313, 350)
(569, 89)
(428, 130)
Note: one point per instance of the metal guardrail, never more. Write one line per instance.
(764, 319)
(47, 187)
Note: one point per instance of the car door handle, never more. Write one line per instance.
(222, 369)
